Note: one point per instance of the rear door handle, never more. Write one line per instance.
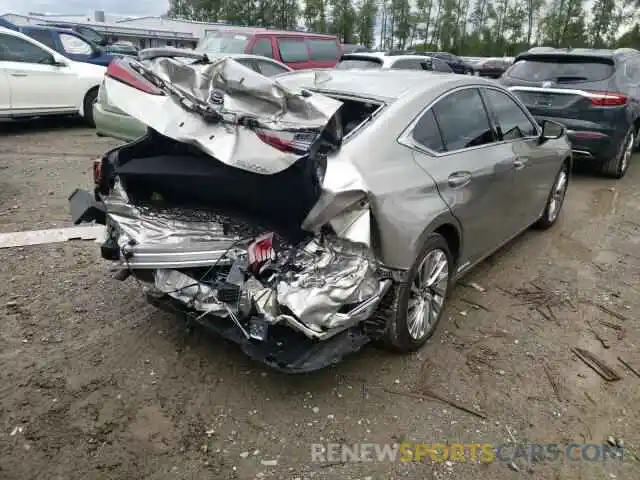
(459, 179)
(18, 74)
(519, 163)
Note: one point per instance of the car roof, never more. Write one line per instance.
(579, 52)
(382, 85)
(266, 31)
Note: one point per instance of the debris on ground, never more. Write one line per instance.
(553, 381)
(629, 367)
(597, 365)
(426, 393)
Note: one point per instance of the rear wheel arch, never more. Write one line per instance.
(87, 104)
(449, 227)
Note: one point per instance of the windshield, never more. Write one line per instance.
(90, 34)
(359, 64)
(223, 42)
(562, 69)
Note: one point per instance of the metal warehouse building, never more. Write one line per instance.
(144, 32)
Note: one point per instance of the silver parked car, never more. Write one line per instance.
(305, 215)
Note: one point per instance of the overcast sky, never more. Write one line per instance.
(124, 7)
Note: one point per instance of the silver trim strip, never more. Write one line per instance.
(564, 91)
(406, 137)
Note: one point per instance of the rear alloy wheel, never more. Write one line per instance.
(618, 165)
(555, 201)
(412, 310)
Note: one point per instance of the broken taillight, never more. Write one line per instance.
(288, 142)
(97, 171)
(121, 71)
(608, 99)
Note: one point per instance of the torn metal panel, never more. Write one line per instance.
(53, 235)
(258, 125)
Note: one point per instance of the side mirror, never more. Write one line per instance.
(58, 61)
(551, 130)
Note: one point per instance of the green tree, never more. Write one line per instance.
(366, 15)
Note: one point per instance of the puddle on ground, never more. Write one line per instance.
(604, 202)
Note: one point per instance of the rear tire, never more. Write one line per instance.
(401, 308)
(89, 101)
(617, 166)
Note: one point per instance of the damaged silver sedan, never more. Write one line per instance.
(306, 215)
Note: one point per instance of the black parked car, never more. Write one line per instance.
(594, 93)
(456, 63)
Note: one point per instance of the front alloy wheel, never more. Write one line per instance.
(555, 200)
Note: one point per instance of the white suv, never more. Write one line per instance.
(36, 80)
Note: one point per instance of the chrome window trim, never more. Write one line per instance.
(406, 137)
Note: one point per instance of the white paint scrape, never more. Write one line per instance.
(52, 235)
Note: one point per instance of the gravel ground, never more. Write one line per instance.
(96, 384)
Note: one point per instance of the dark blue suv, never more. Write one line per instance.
(69, 43)
(594, 93)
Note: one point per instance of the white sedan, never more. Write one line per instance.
(36, 80)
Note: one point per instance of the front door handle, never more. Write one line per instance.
(459, 179)
(18, 74)
(519, 164)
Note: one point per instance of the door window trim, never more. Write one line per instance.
(494, 121)
(406, 137)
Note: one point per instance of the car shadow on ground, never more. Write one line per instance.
(42, 124)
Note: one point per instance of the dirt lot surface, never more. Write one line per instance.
(96, 384)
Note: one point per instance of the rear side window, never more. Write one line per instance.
(408, 64)
(463, 120)
(349, 64)
(292, 50)
(263, 48)
(427, 133)
(323, 49)
(42, 36)
(562, 69)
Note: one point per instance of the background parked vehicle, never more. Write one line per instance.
(593, 92)
(491, 67)
(353, 48)
(297, 50)
(68, 43)
(119, 47)
(385, 61)
(36, 80)
(112, 122)
(456, 63)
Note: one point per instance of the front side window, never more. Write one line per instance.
(14, 49)
(263, 48)
(463, 120)
(292, 50)
(511, 120)
(75, 45)
(90, 34)
(42, 36)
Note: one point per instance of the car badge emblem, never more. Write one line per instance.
(216, 97)
(547, 84)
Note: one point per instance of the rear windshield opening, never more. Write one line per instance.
(223, 42)
(359, 63)
(562, 69)
(355, 113)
